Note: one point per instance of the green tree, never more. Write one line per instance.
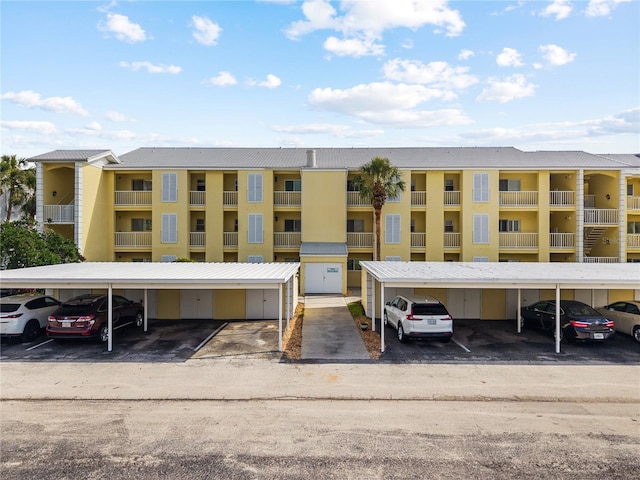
(377, 181)
(18, 181)
(22, 245)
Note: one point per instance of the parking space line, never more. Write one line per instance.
(39, 345)
(123, 325)
(213, 334)
(461, 345)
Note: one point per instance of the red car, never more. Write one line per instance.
(86, 317)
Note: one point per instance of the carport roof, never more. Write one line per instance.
(151, 275)
(505, 274)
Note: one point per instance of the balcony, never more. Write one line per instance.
(518, 199)
(287, 199)
(197, 239)
(418, 240)
(633, 203)
(230, 198)
(230, 239)
(133, 239)
(354, 200)
(133, 198)
(562, 198)
(452, 240)
(360, 240)
(197, 198)
(600, 259)
(562, 240)
(600, 216)
(451, 198)
(589, 201)
(633, 240)
(418, 199)
(58, 214)
(518, 240)
(287, 239)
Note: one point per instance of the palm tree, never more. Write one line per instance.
(17, 181)
(379, 180)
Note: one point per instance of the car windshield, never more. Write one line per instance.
(429, 309)
(582, 311)
(9, 307)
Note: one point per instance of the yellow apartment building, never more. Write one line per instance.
(298, 205)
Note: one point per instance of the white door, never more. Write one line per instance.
(196, 304)
(527, 297)
(323, 278)
(262, 304)
(137, 295)
(594, 298)
(464, 303)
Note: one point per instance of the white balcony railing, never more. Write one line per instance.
(418, 199)
(633, 240)
(600, 259)
(197, 239)
(133, 239)
(452, 198)
(197, 198)
(359, 240)
(633, 203)
(600, 216)
(230, 239)
(286, 239)
(452, 240)
(518, 199)
(418, 240)
(230, 198)
(58, 214)
(289, 199)
(133, 197)
(518, 240)
(589, 201)
(561, 198)
(562, 240)
(354, 200)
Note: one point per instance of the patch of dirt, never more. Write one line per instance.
(292, 336)
(371, 339)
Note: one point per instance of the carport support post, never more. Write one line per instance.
(557, 318)
(381, 314)
(518, 315)
(146, 299)
(110, 317)
(373, 302)
(279, 317)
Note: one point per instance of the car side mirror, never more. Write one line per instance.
(388, 303)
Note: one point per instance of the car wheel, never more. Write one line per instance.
(31, 331)
(139, 320)
(636, 333)
(401, 336)
(103, 334)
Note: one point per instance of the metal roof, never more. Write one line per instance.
(505, 274)
(151, 275)
(323, 249)
(71, 155)
(353, 158)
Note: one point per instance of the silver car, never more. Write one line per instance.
(25, 315)
(625, 317)
(419, 317)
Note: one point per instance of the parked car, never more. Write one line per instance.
(86, 317)
(414, 317)
(578, 321)
(25, 315)
(625, 316)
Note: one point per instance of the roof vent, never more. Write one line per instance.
(311, 159)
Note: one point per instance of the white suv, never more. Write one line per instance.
(423, 317)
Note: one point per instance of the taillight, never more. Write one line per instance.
(411, 317)
(85, 318)
(446, 319)
(577, 324)
(609, 324)
(52, 318)
(13, 315)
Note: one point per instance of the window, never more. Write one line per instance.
(169, 187)
(168, 258)
(255, 232)
(138, 185)
(169, 228)
(481, 228)
(480, 259)
(509, 225)
(630, 189)
(292, 185)
(413, 184)
(292, 226)
(199, 224)
(255, 259)
(392, 258)
(140, 224)
(140, 259)
(509, 185)
(448, 185)
(353, 264)
(235, 225)
(352, 187)
(355, 225)
(448, 225)
(254, 187)
(395, 199)
(392, 228)
(413, 226)
(480, 187)
(633, 227)
(200, 185)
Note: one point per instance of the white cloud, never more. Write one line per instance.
(223, 79)
(602, 8)
(95, 126)
(271, 82)
(123, 28)
(509, 57)
(407, 44)
(558, 8)
(556, 55)
(627, 121)
(31, 99)
(116, 117)
(42, 128)
(465, 54)
(503, 91)
(353, 47)
(339, 131)
(439, 74)
(151, 68)
(206, 32)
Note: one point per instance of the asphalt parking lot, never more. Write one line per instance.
(474, 342)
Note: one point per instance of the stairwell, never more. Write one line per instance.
(591, 236)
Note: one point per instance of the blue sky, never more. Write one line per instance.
(536, 75)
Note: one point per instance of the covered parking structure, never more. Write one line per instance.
(379, 276)
(280, 277)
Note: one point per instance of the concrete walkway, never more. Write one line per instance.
(329, 332)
